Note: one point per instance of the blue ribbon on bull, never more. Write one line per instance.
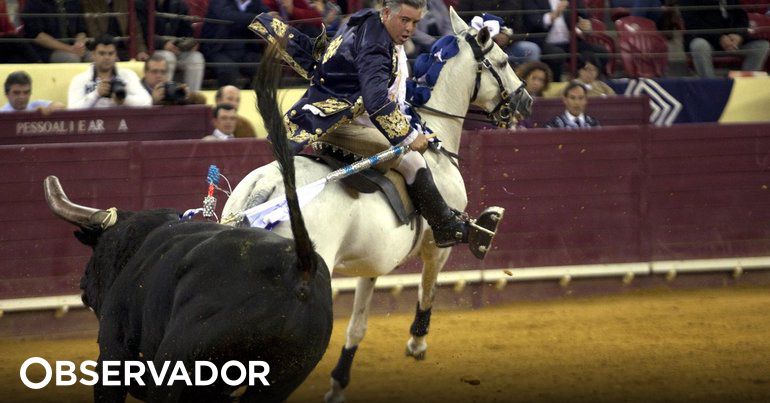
(427, 68)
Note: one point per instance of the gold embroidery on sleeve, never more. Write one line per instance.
(394, 124)
(332, 105)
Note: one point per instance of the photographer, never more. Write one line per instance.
(166, 92)
(105, 85)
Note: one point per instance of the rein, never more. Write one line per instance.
(447, 114)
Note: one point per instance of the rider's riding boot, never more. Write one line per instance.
(449, 228)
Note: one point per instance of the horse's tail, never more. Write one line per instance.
(265, 86)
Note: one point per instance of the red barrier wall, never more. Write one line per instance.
(624, 194)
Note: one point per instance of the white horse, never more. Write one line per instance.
(361, 236)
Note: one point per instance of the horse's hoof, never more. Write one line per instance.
(335, 394)
(417, 356)
(416, 349)
(331, 397)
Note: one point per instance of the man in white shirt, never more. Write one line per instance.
(225, 119)
(18, 90)
(555, 24)
(104, 85)
(575, 98)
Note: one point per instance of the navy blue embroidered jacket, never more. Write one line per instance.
(567, 121)
(349, 76)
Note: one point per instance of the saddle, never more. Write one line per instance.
(391, 183)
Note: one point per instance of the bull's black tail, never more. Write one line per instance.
(265, 86)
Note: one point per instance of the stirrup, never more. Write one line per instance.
(483, 230)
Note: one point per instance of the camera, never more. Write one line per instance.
(117, 88)
(175, 94)
(185, 44)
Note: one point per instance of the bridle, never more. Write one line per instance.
(509, 103)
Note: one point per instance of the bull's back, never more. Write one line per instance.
(218, 293)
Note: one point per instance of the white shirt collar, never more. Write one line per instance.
(222, 136)
(571, 118)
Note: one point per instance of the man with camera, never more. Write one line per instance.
(105, 85)
(166, 92)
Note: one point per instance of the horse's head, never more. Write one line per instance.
(496, 87)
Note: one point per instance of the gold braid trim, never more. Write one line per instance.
(394, 124)
(332, 49)
(280, 29)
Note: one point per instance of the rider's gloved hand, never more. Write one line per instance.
(420, 144)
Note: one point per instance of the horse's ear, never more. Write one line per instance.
(483, 36)
(458, 25)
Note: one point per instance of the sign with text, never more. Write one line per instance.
(117, 124)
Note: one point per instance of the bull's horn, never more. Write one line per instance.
(63, 208)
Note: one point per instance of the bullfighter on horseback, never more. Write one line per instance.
(356, 103)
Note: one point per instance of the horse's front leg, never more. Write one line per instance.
(433, 260)
(356, 332)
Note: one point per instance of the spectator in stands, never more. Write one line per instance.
(174, 41)
(555, 24)
(116, 26)
(433, 25)
(537, 77)
(227, 54)
(297, 10)
(510, 40)
(588, 75)
(48, 31)
(575, 98)
(18, 90)
(104, 84)
(721, 17)
(155, 82)
(231, 95)
(225, 119)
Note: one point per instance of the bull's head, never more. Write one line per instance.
(113, 235)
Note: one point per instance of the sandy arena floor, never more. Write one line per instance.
(704, 345)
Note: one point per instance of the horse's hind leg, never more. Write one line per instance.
(433, 260)
(355, 334)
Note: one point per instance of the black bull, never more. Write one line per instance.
(171, 290)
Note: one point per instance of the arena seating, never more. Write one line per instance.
(759, 26)
(643, 49)
(598, 36)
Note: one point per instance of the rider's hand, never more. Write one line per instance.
(420, 144)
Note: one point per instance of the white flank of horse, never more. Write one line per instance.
(360, 235)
